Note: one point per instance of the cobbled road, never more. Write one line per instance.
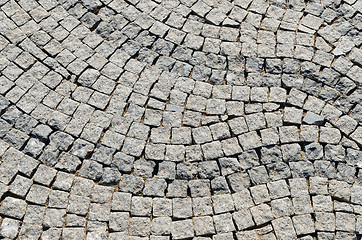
(181, 119)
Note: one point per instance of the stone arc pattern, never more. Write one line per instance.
(180, 119)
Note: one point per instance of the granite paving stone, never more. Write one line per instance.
(190, 119)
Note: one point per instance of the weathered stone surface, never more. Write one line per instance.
(186, 119)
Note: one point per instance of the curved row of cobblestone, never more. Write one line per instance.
(180, 119)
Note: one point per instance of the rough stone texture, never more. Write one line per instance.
(186, 119)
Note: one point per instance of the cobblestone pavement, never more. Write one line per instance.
(180, 119)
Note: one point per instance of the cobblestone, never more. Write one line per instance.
(180, 120)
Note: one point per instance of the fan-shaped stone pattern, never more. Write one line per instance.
(180, 119)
